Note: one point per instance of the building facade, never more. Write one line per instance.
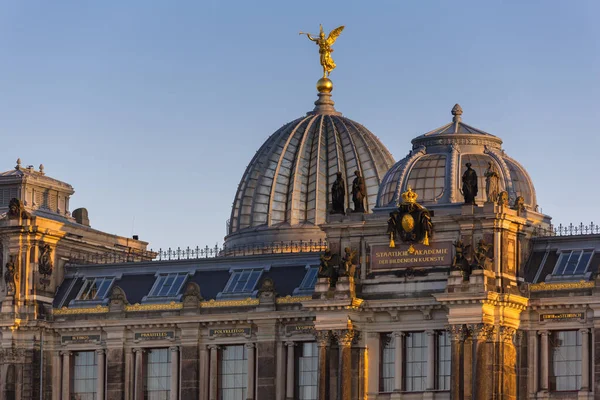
(450, 285)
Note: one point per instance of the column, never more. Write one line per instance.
(174, 373)
(344, 338)
(543, 360)
(203, 381)
(532, 362)
(457, 337)
(430, 360)
(280, 373)
(251, 374)
(129, 378)
(66, 374)
(100, 378)
(398, 373)
(373, 363)
(323, 338)
(585, 359)
(138, 393)
(56, 376)
(213, 372)
(289, 386)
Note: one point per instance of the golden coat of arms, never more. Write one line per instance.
(411, 223)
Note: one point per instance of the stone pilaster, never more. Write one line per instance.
(458, 334)
(251, 371)
(139, 374)
(265, 360)
(543, 384)
(585, 360)
(289, 381)
(214, 376)
(323, 340)
(482, 336)
(174, 395)
(66, 374)
(398, 361)
(101, 368)
(373, 363)
(129, 374)
(344, 339)
(115, 374)
(189, 371)
(203, 373)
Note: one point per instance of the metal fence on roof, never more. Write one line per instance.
(569, 230)
(197, 253)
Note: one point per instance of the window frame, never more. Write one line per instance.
(159, 285)
(87, 284)
(312, 369)
(146, 376)
(83, 376)
(568, 254)
(438, 359)
(387, 342)
(552, 377)
(303, 288)
(406, 377)
(243, 368)
(233, 281)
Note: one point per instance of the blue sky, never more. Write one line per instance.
(152, 109)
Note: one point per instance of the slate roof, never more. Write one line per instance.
(137, 279)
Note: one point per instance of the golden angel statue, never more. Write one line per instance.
(325, 49)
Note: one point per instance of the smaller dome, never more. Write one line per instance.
(437, 161)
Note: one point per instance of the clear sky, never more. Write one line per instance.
(152, 109)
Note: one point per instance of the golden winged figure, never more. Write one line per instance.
(325, 49)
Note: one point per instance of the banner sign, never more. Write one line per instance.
(79, 339)
(562, 316)
(298, 329)
(383, 257)
(154, 335)
(227, 332)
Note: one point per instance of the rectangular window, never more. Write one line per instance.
(415, 361)
(307, 378)
(573, 262)
(565, 360)
(168, 285)
(84, 378)
(157, 374)
(95, 288)
(233, 373)
(387, 368)
(443, 361)
(243, 281)
(310, 279)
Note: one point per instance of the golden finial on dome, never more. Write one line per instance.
(409, 196)
(324, 85)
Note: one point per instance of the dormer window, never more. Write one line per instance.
(168, 285)
(573, 262)
(242, 281)
(95, 288)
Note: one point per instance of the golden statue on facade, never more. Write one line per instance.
(325, 49)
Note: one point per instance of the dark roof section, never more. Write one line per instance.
(548, 266)
(210, 282)
(533, 264)
(212, 275)
(136, 286)
(61, 291)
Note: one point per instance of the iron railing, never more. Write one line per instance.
(568, 230)
(188, 253)
(197, 253)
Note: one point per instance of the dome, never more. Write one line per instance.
(284, 194)
(437, 161)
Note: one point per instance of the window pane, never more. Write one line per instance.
(565, 360)
(243, 281)
(572, 263)
(157, 377)
(84, 378)
(387, 367)
(562, 262)
(416, 361)
(233, 379)
(443, 361)
(307, 378)
(583, 262)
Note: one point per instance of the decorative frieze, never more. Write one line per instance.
(543, 286)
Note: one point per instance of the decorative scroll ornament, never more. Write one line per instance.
(482, 332)
(323, 338)
(457, 332)
(411, 222)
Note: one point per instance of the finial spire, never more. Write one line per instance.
(42, 169)
(18, 164)
(457, 112)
